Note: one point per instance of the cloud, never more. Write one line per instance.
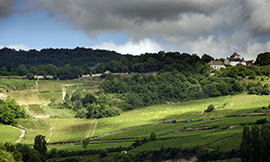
(17, 47)
(132, 47)
(5, 7)
(208, 26)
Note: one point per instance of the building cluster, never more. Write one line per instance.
(233, 60)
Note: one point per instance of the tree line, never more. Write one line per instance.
(58, 57)
(72, 63)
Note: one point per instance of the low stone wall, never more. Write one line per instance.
(41, 116)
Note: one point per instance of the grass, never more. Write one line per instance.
(73, 90)
(10, 85)
(91, 146)
(36, 109)
(189, 141)
(58, 113)
(235, 111)
(34, 97)
(9, 133)
(49, 85)
(144, 121)
(232, 142)
(49, 89)
(35, 127)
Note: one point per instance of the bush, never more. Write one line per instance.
(261, 121)
(210, 108)
(103, 153)
(153, 137)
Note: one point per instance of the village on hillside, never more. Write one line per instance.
(233, 60)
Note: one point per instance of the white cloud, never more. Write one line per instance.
(132, 47)
(218, 28)
(17, 47)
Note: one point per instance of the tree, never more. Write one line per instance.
(40, 145)
(210, 108)
(25, 150)
(51, 69)
(153, 137)
(266, 89)
(256, 143)
(35, 157)
(10, 111)
(207, 58)
(150, 64)
(6, 156)
(22, 70)
(32, 69)
(265, 144)
(103, 153)
(263, 59)
(30, 76)
(86, 69)
(76, 97)
(85, 143)
(245, 148)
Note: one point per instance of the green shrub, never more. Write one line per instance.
(153, 137)
(210, 108)
(103, 153)
(261, 121)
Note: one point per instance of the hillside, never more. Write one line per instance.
(145, 114)
(221, 128)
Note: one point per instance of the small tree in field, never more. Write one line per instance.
(210, 108)
(40, 145)
(85, 143)
(153, 137)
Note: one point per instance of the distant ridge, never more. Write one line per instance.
(58, 57)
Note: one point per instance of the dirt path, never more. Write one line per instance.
(64, 92)
(90, 129)
(48, 140)
(22, 135)
(94, 129)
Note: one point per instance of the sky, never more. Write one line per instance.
(214, 27)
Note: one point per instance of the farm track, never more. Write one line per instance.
(94, 129)
(51, 132)
(90, 129)
(22, 135)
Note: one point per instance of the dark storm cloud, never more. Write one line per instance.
(138, 18)
(215, 26)
(5, 7)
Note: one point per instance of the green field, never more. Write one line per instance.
(9, 133)
(91, 146)
(50, 89)
(221, 128)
